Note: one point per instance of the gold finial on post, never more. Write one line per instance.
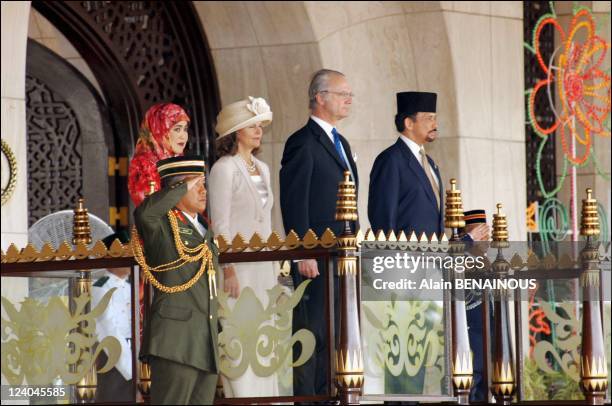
(453, 216)
(500, 228)
(346, 205)
(81, 232)
(589, 224)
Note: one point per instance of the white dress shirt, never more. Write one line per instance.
(196, 223)
(327, 128)
(416, 148)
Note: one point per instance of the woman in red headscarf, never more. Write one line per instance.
(163, 134)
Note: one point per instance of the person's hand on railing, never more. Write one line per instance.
(230, 281)
(308, 268)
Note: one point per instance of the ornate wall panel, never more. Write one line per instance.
(54, 151)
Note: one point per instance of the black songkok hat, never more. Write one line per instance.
(475, 216)
(413, 102)
(181, 165)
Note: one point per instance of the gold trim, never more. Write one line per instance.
(182, 173)
(67, 251)
(181, 164)
(12, 182)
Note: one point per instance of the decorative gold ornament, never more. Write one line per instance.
(346, 205)
(403, 340)
(81, 231)
(185, 255)
(41, 341)
(454, 207)
(502, 382)
(589, 224)
(8, 187)
(247, 325)
(594, 374)
(500, 229)
(144, 382)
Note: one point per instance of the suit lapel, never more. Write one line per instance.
(326, 142)
(418, 170)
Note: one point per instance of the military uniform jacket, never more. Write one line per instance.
(181, 327)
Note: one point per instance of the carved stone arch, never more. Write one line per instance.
(141, 53)
(67, 124)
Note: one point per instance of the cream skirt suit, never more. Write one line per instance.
(236, 206)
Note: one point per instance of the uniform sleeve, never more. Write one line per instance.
(220, 195)
(149, 215)
(383, 195)
(295, 179)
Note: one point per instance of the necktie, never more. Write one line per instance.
(338, 146)
(427, 169)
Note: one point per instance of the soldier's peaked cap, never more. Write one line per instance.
(181, 165)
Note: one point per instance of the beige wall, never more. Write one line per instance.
(14, 38)
(470, 53)
(42, 31)
(264, 49)
(15, 212)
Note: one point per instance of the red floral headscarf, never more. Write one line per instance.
(157, 122)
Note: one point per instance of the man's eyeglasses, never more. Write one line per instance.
(344, 95)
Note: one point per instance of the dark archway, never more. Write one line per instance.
(67, 124)
(142, 52)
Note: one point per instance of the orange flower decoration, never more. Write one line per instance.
(582, 86)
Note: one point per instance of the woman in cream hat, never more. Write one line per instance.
(241, 202)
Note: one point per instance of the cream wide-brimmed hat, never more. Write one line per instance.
(242, 114)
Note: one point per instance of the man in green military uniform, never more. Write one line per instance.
(179, 260)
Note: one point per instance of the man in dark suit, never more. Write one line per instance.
(406, 189)
(180, 336)
(313, 163)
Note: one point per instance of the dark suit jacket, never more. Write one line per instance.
(182, 327)
(310, 172)
(401, 197)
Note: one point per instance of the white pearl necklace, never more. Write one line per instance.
(252, 168)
